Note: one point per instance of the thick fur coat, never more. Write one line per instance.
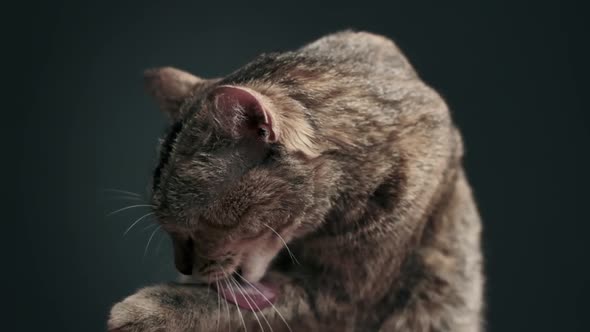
(337, 150)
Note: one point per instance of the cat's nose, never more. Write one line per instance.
(183, 256)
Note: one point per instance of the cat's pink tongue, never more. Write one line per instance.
(254, 297)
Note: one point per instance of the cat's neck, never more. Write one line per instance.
(440, 269)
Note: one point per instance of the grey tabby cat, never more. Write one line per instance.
(337, 150)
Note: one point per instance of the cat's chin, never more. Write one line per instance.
(254, 264)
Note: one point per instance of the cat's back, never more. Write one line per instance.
(359, 55)
(362, 52)
(353, 88)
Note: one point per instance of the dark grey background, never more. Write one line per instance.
(77, 121)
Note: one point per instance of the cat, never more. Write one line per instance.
(320, 189)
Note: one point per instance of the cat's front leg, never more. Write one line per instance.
(167, 308)
(183, 308)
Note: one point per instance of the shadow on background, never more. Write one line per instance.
(79, 122)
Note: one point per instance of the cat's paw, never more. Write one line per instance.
(165, 308)
(140, 312)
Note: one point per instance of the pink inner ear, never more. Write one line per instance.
(232, 100)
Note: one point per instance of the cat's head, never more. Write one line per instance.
(234, 177)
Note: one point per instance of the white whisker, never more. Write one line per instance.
(159, 245)
(236, 303)
(137, 221)
(209, 285)
(246, 296)
(130, 207)
(149, 227)
(127, 197)
(150, 240)
(228, 313)
(267, 300)
(258, 308)
(218, 306)
(285, 244)
(123, 192)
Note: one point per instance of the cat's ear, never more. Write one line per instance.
(169, 87)
(245, 113)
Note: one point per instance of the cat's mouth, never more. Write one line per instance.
(247, 286)
(252, 296)
(235, 288)
(241, 279)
